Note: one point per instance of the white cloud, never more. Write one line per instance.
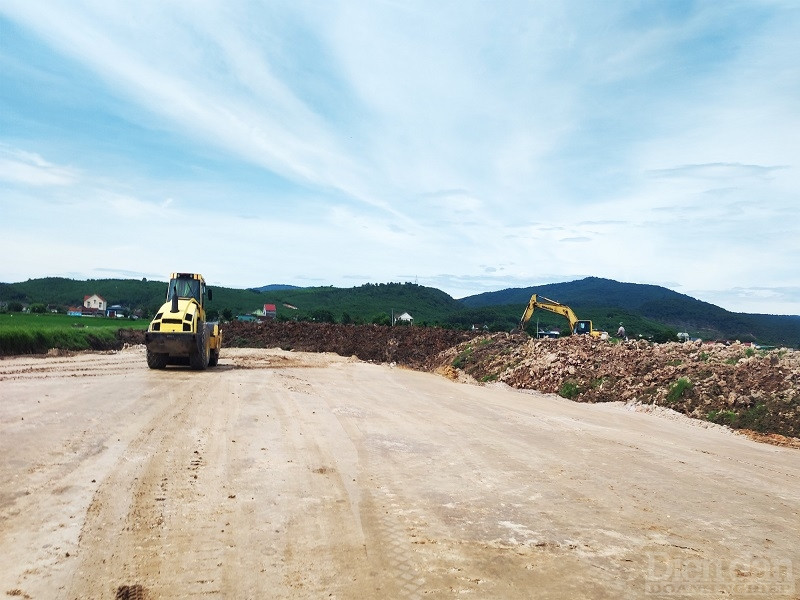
(28, 168)
(447, 140)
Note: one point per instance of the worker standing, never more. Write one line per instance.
(621, 332)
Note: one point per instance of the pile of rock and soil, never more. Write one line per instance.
(408, 346)
(734, 385)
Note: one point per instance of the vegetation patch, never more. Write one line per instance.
(678, 389)
(460, 361)
(38, 333)
(722, 417)
(755, 418)
(569, 390)
(21, 341)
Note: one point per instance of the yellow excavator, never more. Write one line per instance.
(576, 325)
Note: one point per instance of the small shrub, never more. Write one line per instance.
(460, 361)
(753, 418)
(569, 390)
(678, 389)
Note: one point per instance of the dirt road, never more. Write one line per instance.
(294, 475)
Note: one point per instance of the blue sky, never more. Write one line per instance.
(466, 145)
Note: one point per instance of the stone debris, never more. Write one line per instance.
(736, 385)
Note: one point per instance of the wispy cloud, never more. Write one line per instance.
(29, 168)
(717, 171)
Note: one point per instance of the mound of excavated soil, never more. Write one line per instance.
(733, 385)
(409, 346)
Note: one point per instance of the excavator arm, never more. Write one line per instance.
(576, 326)
(549, 305)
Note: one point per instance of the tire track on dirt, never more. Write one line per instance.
(82, 364)
(397, 572)
(145, 537)
(324, 474)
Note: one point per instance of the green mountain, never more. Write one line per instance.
(591, 291)
(647, 310)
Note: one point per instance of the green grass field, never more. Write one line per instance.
(22, 333)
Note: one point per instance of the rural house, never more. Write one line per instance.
(116, 311)
(268, 312)
(94, 303)
(405, 319)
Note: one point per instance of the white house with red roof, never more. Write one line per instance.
(94, 303)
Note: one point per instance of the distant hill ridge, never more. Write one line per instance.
(273, 287)
(648, 310)
(591, 291)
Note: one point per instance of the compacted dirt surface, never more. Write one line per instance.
(733, 384)
(285, 474)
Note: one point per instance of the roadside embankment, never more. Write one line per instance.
(735, 385)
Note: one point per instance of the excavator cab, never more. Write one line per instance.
(582, 327)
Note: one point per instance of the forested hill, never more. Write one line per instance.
(657, 303)
(369, 303)
(647, 310)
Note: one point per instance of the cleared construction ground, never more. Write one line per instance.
(735, 384)
(287, 474)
